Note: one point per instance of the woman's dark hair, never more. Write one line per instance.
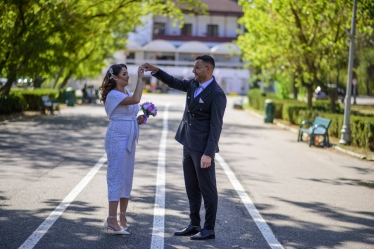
(109, 83)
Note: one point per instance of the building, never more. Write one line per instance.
(174, 49)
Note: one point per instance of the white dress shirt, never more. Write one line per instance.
(201, 87)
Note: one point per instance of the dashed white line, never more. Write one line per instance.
(159, 208)
(255, 214)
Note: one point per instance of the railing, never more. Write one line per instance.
(194, 38)
(184, 63)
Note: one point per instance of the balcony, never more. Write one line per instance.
(193, 38)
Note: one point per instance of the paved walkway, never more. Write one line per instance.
(309, 197)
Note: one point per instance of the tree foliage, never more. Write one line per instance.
(367, 9)
(64, 38)
(305, 39)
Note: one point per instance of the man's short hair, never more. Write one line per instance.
(207, 59)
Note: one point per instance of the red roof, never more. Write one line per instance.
(228, 6)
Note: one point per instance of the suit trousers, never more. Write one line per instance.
(200, 183)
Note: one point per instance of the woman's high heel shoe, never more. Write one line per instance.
(107, 227)
(124, 214)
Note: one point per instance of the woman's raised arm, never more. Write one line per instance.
(135, 98)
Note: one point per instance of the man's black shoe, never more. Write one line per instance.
(188, 231)
(203, 235)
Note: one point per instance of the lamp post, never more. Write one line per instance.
(346, 131)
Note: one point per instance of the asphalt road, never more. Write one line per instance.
(303, 197)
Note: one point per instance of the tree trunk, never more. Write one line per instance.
(38, 80)
(294, 88)
(333, 95)
(309, 91)
(3, 62)
(11, 76)
(66, 79)
(58, 77)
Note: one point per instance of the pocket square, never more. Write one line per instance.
(201, 101)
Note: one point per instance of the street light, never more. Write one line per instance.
(346, 131)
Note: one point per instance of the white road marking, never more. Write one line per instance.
(255, 214)
(46, 225)
(159, 210)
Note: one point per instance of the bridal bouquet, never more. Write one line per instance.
(148, 109)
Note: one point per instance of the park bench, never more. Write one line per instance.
(318, 128)
(49, 104)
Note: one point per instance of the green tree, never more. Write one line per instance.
(301, 38)
(367, 9)
(365, 63)
(60, 39)
(365, 51)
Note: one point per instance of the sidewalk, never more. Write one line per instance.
(295, 129)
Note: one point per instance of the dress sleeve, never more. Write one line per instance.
(112, 101)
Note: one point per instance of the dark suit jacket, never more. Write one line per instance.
(202, 121)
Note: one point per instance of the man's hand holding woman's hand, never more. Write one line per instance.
(149, 67)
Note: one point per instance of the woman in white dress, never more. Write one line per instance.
(120, 140)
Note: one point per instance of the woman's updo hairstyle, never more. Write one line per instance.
(109, 83)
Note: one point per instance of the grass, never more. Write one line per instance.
(365, 109)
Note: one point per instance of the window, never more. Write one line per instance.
(159, 28)
(187, 29)
(130, 55)
(212, 30)
(165, 56)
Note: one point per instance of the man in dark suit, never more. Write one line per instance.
(199, 133)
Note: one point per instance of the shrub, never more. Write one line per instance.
(33, 97)
(324, 105)
(12, 103)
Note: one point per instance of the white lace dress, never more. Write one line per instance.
(120, 139)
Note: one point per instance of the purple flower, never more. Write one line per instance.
(148, 109)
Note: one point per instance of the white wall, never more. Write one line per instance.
(143, 34)
(201, 25)
(232, 26)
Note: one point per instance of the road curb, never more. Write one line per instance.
(349, 152)
(336, 147)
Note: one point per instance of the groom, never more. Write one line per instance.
(199, 133)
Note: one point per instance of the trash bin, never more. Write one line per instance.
(269, 111)
(70, 96)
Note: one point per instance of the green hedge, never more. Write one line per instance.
(290, 112)
(324, 105)
(256, 99)
(12, 103)
(33, 97)
(28, 100)
(280, 105)
(361, 125)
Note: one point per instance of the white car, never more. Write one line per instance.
(3, 81)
